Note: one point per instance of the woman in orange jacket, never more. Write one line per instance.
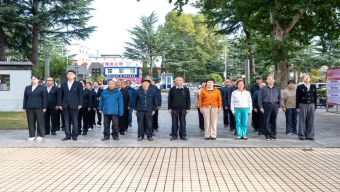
(210, 103)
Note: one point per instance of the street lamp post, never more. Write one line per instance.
(225, 58)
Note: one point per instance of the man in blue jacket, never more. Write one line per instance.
(70, 102)
(112, 105)
(145, 105)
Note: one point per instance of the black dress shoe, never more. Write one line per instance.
(184, 138)
(47, 133)
(213, 138)
(207, 138)
(235, 134)
(173, 138)
(105, 138)
(122, 133)
(54, 134)
(84, 133)
(58, 129)
(66, 138)
(302, 139)
(150, 139)
(116, 138)
(311, 139)
(140, 139)
(256, 130)
(75, 139)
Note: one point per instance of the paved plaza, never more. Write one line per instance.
(90, 164)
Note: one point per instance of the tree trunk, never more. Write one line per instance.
(2, 45)
(282, 73)
(250, 50)
(35, 45)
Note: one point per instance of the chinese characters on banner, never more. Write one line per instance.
(333, 86)
(110, 63)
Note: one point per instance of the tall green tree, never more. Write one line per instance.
(43, 19)
(145, 42)
(284, 21)
(145, 70)
(190, 47)
(154, 72)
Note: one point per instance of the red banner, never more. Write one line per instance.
(333, 86)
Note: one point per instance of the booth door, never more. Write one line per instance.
(169, 82)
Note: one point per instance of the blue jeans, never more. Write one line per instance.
(291, 120)
(130, 116)
(241, 118)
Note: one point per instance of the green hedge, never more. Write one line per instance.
(321, 92)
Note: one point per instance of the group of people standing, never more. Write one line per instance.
(263, 102)
(79, 102)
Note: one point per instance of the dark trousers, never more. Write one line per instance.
(200, 119)
(51, 115)
(225, 116)
(232, 120)
(71, 115)
(83, 113)
(178, 115)
(99, 115)
(123, 121)
(35, 116)
(269, 119)
(92, 117)
(108, 119)
(58, 119)
(155, 120)
(258, 120)
(144, 117)
(291, 120)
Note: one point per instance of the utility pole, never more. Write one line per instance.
(47, 65)
(225, 58)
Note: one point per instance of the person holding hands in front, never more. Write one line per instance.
(241, 107)
(210, 105)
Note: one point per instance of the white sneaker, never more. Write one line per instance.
(39, 139)
(31, 139)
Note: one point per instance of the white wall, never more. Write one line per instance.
(12, 100)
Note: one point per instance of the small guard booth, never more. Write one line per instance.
(14, 77)
(167, 80)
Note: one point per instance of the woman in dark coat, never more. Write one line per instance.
(35, 104)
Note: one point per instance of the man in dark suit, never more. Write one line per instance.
(306, 106)
(84, 112)
(51, 114)
(145, 105)
(71, 101)
(124, 120)
(97, 92)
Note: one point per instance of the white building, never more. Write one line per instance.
(77, 53)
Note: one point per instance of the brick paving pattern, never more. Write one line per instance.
(169, 169)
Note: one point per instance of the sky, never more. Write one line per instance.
(114, 17)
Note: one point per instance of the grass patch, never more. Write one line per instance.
(13, 120)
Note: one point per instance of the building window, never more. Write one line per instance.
(96, 72)
(4, 82)
(121, 70)
(109, 71)
(132, 71)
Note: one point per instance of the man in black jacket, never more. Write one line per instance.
(52, 107)
(253, 89)
(97, 93)
(123, 120)
(179, 105)
(306, 107)
(85, 110)
(71, 101)
(145, 105)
